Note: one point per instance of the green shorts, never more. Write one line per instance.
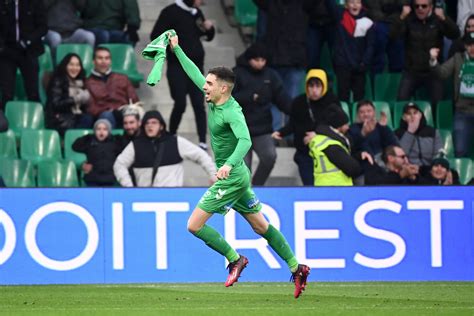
(234, 192)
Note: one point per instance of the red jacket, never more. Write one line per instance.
(109, 94)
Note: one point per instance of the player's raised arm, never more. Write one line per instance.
(189, 67)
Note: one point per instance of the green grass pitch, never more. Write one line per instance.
(245, 298)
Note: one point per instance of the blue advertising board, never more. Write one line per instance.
(121, 235)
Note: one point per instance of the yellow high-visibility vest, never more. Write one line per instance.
(325, 172)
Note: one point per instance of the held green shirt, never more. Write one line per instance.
(230, 137)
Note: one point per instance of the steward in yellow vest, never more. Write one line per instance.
(330, 150)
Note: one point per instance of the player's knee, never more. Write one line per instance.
(260, 229)
(193, 228)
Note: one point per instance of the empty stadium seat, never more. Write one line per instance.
(380, 106)
(57, 174)
(386, 86)
(8, 145)
(464, 168)
(424, 106)
(40, 145)
(85, 51)
(444, 115)
(124, 61)
(17, 173)
(69, 137)
(23, 115)
(447, 138)
(245, 12)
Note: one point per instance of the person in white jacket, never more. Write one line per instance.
(155, 159)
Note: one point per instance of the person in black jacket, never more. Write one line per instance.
(68, 99)
(22, 26)
(321, 29)
(185, 17)
(353, 48)
(101, 150)
(440, 174)
(257, 87)
(308, 110)
(421, 30)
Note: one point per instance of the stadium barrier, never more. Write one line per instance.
(50, 236)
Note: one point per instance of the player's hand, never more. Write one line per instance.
(366, 156)
(86, 167)
(173, 40)
(405, 12)
(223, 172)
(309, 136)
(276, 135)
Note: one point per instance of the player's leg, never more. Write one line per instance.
(197, 226)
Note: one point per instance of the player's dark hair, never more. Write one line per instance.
(224, 74)
(101, 48)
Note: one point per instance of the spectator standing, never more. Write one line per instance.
(458, 44)
(185, 17)
(112, 21)
(257, 87)
(398, 170)
(321, 29)
(331, 152)
(353, 48)
(156, 157)
(420, 30)
(307, 112)
(421, 142)
(384, 13)
(23, 24)
(65, 24)
(461, 68)
(371, 135)
(101, 150)
(67, 97)
(465, 8)
(109, 90)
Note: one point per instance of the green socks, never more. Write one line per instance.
(215, 241)
(277, 241)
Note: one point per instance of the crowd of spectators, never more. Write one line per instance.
(282, 69)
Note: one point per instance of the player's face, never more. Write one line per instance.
(73, 67)
(153, 127)
(366, 113)
(102, 61)
(101, 131)
(212, 89)
(130, 124)
(439, 172)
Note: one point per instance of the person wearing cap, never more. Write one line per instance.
(256, 88)
(156, 157)
(331, 151)
(307, 112)
(421, 142)
(440, 174)
(187, 19)
(101, 149)
(461, 68)
(368, 134)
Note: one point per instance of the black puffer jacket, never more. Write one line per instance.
(33, 26)
(269, 88)
(101, 155)
(420, 36)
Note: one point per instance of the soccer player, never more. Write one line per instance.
(230, 141)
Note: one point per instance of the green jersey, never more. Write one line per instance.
(230, 137)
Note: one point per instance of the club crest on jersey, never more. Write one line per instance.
(220, 194)
(253, 202)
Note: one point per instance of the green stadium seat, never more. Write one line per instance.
(444, 115)
(425, 107)
(17, 173)
(85, 51)
(386, 86)
(40, 145)
(245, 12)
(464, 166)
(380, 106)
(23, 115)
(124, 61)
(69, 137)
(345, 107)
(46, 60)
(57, 174)
(447, 138)
(8, 145)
